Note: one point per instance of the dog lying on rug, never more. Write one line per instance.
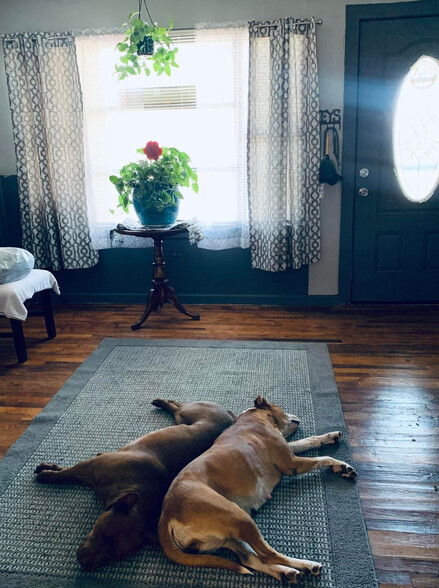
(208, 504)
(133, 481)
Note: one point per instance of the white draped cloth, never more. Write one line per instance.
(14, 294)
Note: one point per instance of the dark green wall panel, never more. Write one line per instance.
(198, 275)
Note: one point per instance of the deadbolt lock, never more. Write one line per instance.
(363, 192)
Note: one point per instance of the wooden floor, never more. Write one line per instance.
(386, 362)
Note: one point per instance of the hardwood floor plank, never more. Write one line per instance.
(386, 364)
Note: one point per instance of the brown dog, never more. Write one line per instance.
(208, 504)
(133, 481)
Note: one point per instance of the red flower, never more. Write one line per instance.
(152, 150)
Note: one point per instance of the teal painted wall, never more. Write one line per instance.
(198, 275)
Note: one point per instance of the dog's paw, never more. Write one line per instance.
(47, 466)
(290, 575)
(347, 471)
(47, 476)
(334, 437)
(343, 469)
(313, 568)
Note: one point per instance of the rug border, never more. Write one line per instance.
(323, 384)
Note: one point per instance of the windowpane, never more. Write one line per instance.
(200, 109)
(416, 131)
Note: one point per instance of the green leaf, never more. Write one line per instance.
(114, 179)
(167, 69)
(131, 70)
(195, 188)
(122, 46)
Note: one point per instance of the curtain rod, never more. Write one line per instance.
(294, 24)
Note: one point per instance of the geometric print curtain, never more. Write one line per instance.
(283, 145)
(46, 107)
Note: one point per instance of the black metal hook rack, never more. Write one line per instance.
(331, 118)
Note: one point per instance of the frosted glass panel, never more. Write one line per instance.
(416, 131)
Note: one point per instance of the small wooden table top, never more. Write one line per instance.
(161, 292)
(153, 231)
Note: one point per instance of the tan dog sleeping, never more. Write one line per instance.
(133, 481)
(208, 504)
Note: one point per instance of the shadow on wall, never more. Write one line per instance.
(10, 227)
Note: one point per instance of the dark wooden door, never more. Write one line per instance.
(395, 240)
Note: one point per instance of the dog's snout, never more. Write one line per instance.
(295, 420)
(89, 558)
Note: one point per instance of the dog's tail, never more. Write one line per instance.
(174, 553)
(171, 406)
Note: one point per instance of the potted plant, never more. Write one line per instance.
(153, 184)
(138, 48)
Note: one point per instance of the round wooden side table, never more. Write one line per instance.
(161, 292)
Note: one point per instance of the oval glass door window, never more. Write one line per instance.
(416, 131)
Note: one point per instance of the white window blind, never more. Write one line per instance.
(201, 109)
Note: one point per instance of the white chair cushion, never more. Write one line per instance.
(15, 264)
(14, 294)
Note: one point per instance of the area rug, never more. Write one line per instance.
(107, 403)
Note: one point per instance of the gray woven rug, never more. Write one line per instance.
(106, 404)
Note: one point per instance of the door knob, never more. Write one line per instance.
(363, 192)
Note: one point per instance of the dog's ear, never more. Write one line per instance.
(234, 417)
(125, 503)
(260, 402)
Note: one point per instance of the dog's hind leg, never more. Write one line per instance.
(53, 474)
(302, 465)
(247, 531)
(248, 558)
(314, 442)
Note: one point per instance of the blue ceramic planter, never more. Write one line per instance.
(152, 216)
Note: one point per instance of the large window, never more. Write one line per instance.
(200, 109)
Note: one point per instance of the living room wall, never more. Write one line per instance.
(198, 275)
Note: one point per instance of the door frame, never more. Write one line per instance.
(355, 15)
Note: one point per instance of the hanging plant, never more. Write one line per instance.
(139, 48)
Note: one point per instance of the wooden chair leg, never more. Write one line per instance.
(48, 313)
(20, 345)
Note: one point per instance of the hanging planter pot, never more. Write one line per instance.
(146, 47)
(138, 51)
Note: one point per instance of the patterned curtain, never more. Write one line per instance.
(283, 145)
(46, 106)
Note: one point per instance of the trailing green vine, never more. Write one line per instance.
(136, 30)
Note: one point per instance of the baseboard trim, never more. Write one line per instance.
(248, 299)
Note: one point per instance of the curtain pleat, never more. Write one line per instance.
(283, 145)
(46, 107)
